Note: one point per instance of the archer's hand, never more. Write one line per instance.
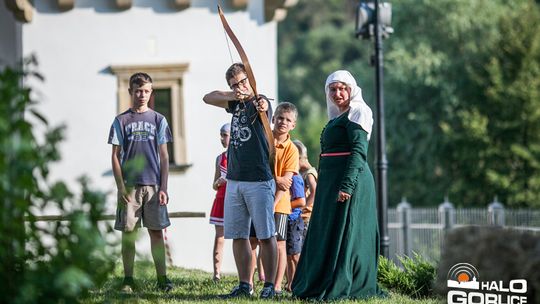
(261, 104)
(239, 95)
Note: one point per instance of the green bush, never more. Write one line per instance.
(415, 279)
(43, 262)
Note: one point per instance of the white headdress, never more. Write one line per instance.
(226, 128)
(360, 112)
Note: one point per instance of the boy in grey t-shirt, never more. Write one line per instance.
(140, 164)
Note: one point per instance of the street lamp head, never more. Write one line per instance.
(365, 19)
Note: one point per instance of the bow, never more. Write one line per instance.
(263, 116)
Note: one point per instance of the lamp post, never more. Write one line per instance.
(373, 20)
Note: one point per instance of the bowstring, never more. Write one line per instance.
(227, 38)
(228, 45)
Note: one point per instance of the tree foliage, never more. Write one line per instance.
(461, 92)
(314, 40)
(42, 262)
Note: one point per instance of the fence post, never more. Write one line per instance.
(447, 215)
(496, 213)
(404, 217)
(447, 219)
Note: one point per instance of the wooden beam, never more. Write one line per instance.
(66, 5)
(181, 4)
(290, 3)
(276, 10)
(279, 14)
(123, 4)
(237, 4)
(109, 217)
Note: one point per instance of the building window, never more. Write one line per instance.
(161, 102)
(167, 100)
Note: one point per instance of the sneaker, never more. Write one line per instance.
(165, 285)
(128, 285)
(267, 293)
(239, 292)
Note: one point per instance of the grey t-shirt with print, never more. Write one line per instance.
(140, 135)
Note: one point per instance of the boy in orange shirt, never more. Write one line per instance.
(286, 165)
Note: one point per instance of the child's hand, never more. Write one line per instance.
(124, 194)
(283, 183)
(220, 181)
(163, 198)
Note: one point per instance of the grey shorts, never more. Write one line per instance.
(247, 202)
(295, 236)
(144, 205)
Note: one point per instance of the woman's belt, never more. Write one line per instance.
(336, 154)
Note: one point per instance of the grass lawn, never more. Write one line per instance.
(195, 286)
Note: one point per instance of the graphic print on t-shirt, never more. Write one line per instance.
(240, 131)
(140, 131)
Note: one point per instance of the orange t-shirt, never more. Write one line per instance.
(286, 161)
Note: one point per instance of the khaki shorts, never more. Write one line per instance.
(143, 205)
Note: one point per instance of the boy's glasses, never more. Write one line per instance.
(238, 84)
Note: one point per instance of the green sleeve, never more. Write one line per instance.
(359, 145)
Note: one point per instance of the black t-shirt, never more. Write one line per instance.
(247, 155)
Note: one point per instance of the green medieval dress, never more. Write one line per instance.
(340, 253)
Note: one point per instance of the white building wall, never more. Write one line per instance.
(76, 47)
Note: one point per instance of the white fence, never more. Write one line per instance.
(422, 230)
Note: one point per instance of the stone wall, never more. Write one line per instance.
(498, 254)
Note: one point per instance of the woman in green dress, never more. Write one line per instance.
(340, 253)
